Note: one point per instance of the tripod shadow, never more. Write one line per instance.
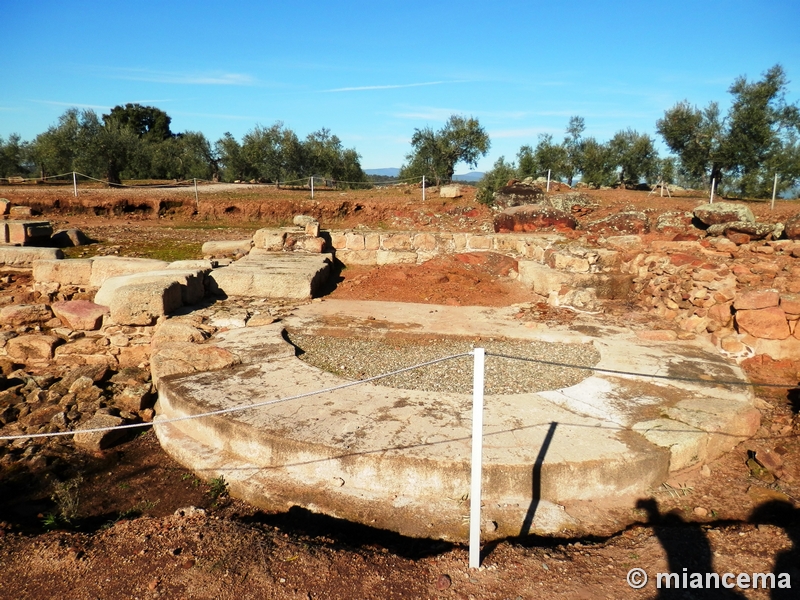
(687, 547)
(784, 515)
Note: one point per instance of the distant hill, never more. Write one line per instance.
(393, 172)
(471, 176)
(388, 172)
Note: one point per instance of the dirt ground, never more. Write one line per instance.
(147, 528)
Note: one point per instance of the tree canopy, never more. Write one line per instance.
(756, 139)
(436, 153)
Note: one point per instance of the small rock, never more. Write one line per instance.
(443, 582)
(700, 512)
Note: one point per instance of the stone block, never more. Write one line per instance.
(220, 249)
(143, 303)
(354, 241)
(307, 243)
(768, 323)
(358, 257)
(303, 220)
(20, 212)
(312, 229)
(450, 191)
(25, 348)
(386, 257)
(372, 241)
(135, 397)
(790, 303)
(105, 267)
(80, 315)
(271, 240)
(15, 315)
(757, 300)
(569, 263)
(100, 440)
(338, 240)
(396, 241)
(15, 256)
(277, 275)
(480, 242)
(424, 241)
(69, 238)
(191, 282)
(77, 271)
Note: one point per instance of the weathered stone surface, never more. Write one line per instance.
(32, 347)
(25, 314)
(15, 256)
(756, 300)
(570, 201)
(532, 218)
(82, 346)
(674, 222)
(622, 223)
(203, 265)
(74, 271)
(177, 331)
(767, 323)
(143, 303)
(20, 212)
(792, 227)
(106, 267)
(450, 191)
(396, 241)
(80, 315)
(266, 239)
(754, 231)
(303, 220)
(517, 194)
(191, 283)
(275, 275)
(657, 335)
(790, 303)
(135, 397)
(723, 212)
(67, 238)
(219, 249)
(174, 358)
(101, 440)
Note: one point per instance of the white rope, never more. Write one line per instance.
(233, 409)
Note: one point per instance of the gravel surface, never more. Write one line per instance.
(354, 358)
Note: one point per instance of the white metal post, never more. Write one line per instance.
(477, 458)
(713, 182)
(774, 191)
(196, 197)
(312, 188)
(548, 180)
(423, 188)
(74, 184)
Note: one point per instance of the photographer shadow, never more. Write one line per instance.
(783, 515)
(687, 548)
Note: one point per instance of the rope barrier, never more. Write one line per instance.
(647, 375)
(233, 409)
(390, 374)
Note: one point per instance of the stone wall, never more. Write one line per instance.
(355, 247)
(746, 297)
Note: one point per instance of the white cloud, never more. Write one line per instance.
(186, 78)
(74, 104)
(388, 87)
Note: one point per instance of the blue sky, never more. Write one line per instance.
(372, 72)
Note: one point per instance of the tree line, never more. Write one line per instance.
(740, 151)
(136, 142)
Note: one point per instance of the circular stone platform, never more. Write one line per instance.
(568, 461)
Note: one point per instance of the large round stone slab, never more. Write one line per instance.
(567, 461)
